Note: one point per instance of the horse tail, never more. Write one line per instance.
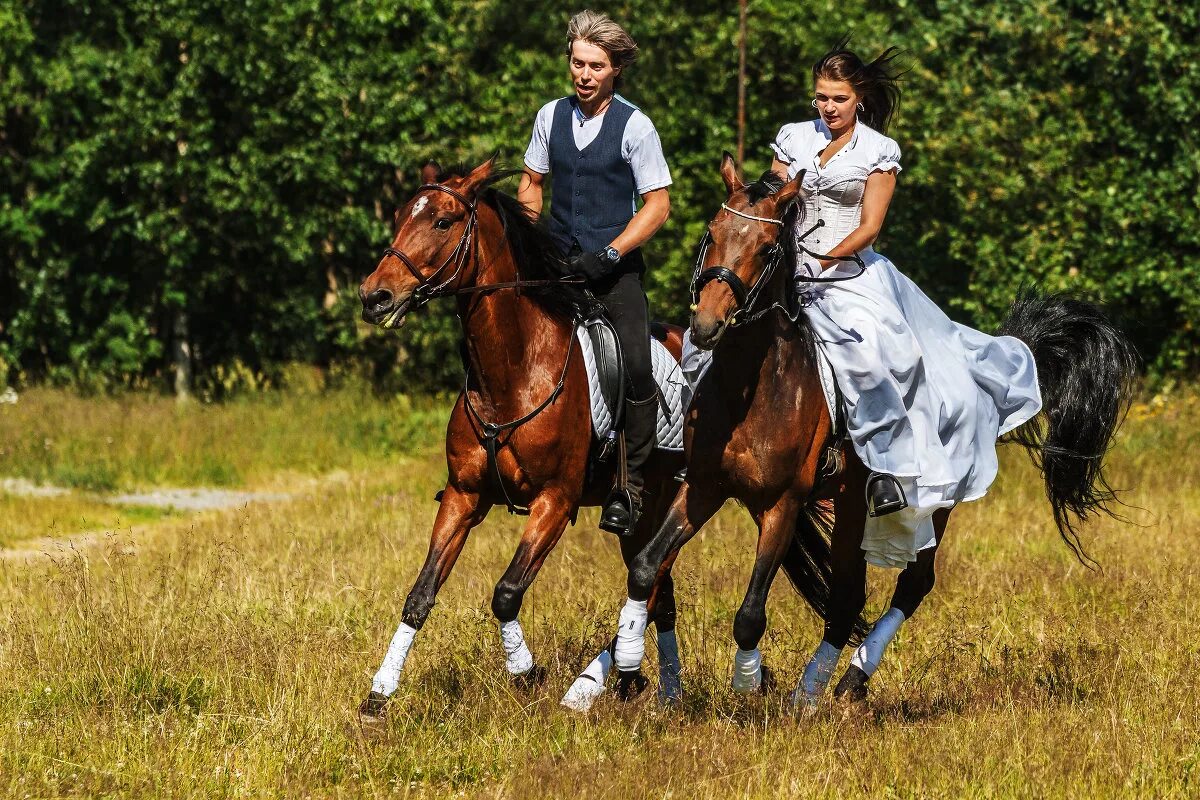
(808, 563)
(1088, 372)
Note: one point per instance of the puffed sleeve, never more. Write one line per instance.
(787, 144)
(887, 156)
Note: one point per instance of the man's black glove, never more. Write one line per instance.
(593, 266)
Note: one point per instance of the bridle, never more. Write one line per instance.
(433, 286)
(745, 297)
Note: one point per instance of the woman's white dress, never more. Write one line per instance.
(925, 397)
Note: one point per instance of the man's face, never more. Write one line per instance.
(592, 72)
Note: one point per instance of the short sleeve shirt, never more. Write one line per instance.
(640, 145)
(799, 145)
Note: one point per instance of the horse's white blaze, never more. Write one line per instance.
(588, 687)
(631, 636)
(518, 659)
(419, 206)
(747, 670)
(870, 652)
(745, 229)
(816, 675)
(388, 677)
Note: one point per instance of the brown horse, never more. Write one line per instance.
(525, 401)
(758, 430)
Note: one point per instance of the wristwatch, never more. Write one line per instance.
(610, 255)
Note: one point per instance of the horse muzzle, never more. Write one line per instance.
(707, 329)
(384, 309)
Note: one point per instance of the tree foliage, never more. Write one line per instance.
(226, 171)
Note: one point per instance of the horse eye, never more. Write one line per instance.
(443, 224)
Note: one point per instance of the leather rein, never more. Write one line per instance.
(746, 297)
(433, 287)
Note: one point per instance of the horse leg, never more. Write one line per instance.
(777, 526)
(914, 583)
(548, 517)
(590, 684)
(458, 513)
(848, 586)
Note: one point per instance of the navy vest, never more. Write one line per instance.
(593, 194)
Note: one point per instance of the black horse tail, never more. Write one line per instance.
(1088, 373)
(808, 564)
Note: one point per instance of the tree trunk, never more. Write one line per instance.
(181, 357)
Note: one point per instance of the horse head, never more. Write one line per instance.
(740, 251)
(430, 249)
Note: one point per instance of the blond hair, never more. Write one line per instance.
(599, 30)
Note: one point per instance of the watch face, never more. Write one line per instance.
(611, 254)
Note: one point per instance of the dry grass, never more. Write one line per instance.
(226, 658)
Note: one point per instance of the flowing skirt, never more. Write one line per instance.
(925, 397)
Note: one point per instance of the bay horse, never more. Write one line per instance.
(525, 403)
(758, 426)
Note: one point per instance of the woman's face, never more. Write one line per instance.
(837, 101)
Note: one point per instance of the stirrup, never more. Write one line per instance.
(621, 511)
(884, 495)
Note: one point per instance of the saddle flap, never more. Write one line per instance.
(610, 366)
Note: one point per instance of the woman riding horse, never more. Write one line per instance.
(925, 399)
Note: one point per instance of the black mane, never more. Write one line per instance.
(768, 184)
(533, 250)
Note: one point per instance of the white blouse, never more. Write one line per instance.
(835, 191)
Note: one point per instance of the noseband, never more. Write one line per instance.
(431, 287)
(745, 297)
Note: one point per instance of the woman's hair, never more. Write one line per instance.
(599, 30)
(877, 82)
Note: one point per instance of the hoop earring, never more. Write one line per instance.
(813, 103)
(860, 107)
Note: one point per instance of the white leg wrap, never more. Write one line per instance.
(588, 687)
(518, 659)
(870, 652)
(747, 670)
(388, 677)
(631, 636)
(670, 687)
(817, 674)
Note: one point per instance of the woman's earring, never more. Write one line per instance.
(860, 108)
(814, 103)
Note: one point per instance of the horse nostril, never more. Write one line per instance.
(380, 298)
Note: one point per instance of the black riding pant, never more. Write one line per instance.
(623, 296)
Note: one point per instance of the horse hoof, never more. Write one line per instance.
(583, 693)
(374, 707)
(530, 679)
(768, 684)
(670, 693)
(852, 687)
(630, 685)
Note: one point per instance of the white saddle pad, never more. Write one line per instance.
(671, 388)
(696, 362)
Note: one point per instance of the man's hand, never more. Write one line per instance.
(591, 266)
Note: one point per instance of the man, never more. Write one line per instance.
(602, 153)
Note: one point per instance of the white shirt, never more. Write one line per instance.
(834, 192)
(640, 146)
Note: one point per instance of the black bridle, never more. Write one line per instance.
(745, 297)
(433, 286)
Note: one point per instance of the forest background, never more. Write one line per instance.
(207, 181)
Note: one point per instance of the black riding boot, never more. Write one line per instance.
(621, 509)
(884, 495)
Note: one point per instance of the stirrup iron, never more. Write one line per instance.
(885, 495)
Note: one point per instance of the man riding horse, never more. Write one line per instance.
(601, 152)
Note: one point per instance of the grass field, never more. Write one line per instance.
(224, 654)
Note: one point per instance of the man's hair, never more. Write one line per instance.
(599, 30)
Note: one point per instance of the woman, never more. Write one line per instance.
(925, 397)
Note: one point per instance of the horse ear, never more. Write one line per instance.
(790, 191)
(472, 182)
(431, 171)
(729, 173)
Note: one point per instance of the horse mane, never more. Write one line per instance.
(532, 247)
(768, 184)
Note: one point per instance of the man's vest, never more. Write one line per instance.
(593, 195)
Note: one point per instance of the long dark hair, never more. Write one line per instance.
(876, 82)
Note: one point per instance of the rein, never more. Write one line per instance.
(429, 288)
(746, 297)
